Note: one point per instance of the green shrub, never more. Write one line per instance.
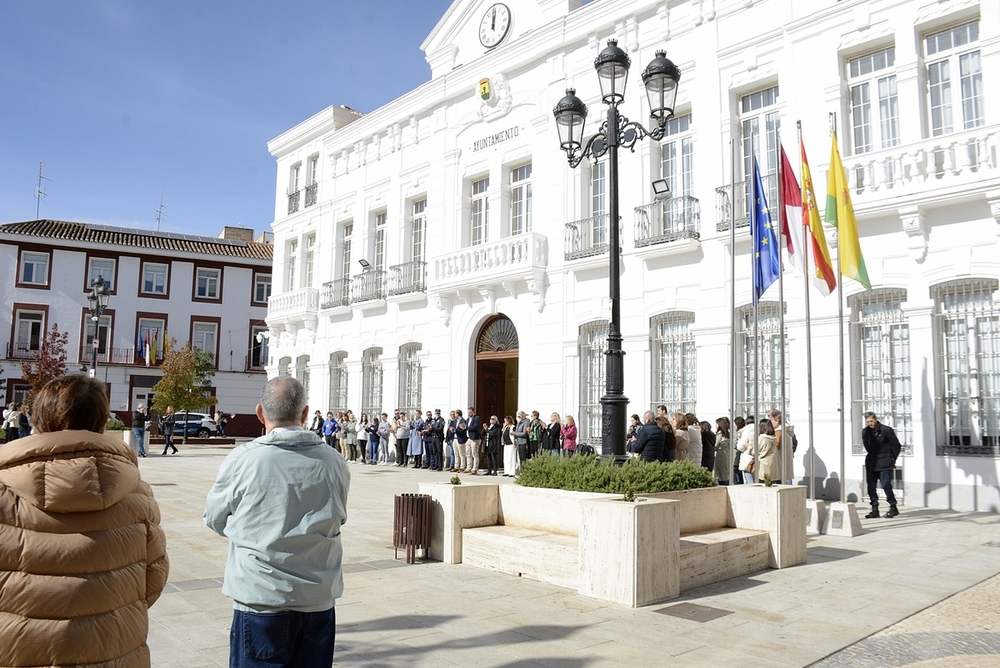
(114, 424)
(586, 473)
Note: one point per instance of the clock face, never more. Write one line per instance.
(495, 25)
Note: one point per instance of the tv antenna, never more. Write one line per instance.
(40, 191)
(159, 211)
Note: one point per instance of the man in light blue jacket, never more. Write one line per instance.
(281, 501)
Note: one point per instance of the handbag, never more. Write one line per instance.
(751, 465)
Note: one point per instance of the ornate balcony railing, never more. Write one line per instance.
(670, 220)
(293, 201)
(408, 277)
(513, 257)
(21, 351)
(302, 300)
(335, 293)
(368, 286)
(910, 166)
(311, 193)
(587, 237)
(726, 209)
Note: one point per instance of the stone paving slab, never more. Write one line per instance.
(885, 592)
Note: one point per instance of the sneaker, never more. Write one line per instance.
(892, 513)
(873, 514)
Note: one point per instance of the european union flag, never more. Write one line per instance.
(766, 254)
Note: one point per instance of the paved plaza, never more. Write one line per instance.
(922, 590)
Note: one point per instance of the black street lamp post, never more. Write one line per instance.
(660, 78)
(98, 299)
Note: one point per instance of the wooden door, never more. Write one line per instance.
(490, 375)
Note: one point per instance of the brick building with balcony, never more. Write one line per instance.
(485, 275)
(210, 291)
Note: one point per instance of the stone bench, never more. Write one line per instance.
(630, 553)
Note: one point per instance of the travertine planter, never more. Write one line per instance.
(633, 554)
(779, 510)
(629, 551)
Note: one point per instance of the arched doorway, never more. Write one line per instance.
(496, 368)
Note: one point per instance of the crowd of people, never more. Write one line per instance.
(465, 442)
(659, 437)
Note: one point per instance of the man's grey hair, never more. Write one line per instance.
(283, 399)
(648, 416)
(869, 414)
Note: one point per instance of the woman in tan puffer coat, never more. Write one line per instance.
(82, 555)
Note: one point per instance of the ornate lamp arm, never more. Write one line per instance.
(629, 133)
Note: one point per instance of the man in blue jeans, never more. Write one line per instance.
(882, 448)
(139, 420)
(281, 501)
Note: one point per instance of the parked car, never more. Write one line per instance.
(197, 424)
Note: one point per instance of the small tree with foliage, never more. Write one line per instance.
(46, 364)
(187, 380)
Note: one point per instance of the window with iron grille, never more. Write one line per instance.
(520, 199)
(338, 382)
(967, 327)
(880, 359)
(371, 382)
(760, 365)
(593, 344)
(302, 371)
(675, 362)
(410, 377)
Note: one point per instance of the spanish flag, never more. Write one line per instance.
(840, 213)
(824, 278)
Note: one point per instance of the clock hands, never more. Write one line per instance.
(493, 23)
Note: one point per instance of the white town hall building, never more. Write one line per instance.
(486, 255)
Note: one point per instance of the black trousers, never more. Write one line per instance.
(401, 444)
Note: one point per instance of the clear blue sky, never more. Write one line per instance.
(123, 98)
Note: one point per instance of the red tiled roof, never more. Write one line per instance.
(157, 241)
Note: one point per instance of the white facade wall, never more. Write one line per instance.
(933, 222)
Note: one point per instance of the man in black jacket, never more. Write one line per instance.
(883, 448)
(649, 444)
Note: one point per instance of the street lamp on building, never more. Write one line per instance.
(98, 299)
(660, 79)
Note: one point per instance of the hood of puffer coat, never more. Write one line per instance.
(69, 471)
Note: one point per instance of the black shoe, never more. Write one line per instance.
(892, 513)
(873, 514)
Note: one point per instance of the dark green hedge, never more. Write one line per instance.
(587, 474)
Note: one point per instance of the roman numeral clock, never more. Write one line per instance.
(495, 25)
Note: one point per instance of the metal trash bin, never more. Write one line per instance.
(411, 525)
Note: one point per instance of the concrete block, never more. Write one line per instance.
(538, 555)
(629, 552)
(554, 510)
(779, 510)
(815, 515)
(701, 509)
(713, 556)
(842, 520)
(457, 507)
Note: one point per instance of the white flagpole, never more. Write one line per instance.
(732, 309)
(785, 469)
(809, 368)
(840, 337)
